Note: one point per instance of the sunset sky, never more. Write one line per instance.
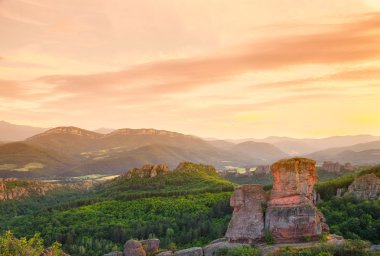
(212, 68)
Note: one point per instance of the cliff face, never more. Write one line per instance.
(247, 223)
(365, 187)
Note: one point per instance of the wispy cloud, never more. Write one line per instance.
(348, 43)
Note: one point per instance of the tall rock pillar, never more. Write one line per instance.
(291, 215)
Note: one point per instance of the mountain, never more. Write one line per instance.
(265, 152)
(362, 153)
(70, 140)
(12, 132)
(19, 159)
(90, 152)
(295, 146)
(104, 130)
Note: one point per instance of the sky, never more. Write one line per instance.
(212, 68)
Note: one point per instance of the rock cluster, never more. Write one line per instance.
(330, 166)
(10, 188)
(138, 248)
(147, 171)
(290, 215)
(365, 187)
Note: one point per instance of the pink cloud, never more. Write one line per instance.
(348, 43)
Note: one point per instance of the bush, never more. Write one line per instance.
(242, 250)
(11, 246)
(268, 237)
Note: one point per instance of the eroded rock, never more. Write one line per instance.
(147, 171)
(247, 223)
(151, 245)
(213, 248)
(365, 187)
(134, 248)
(291, 215)
(194, 251)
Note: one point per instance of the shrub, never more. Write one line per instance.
(242, 250)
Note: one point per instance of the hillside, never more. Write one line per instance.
(295, 146)
(19, 158)
(12, 132)
(183, 207)
(362, 153)
(85, 152)
(264, 152)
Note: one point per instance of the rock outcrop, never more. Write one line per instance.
(214, 247)
(147, 171)
(134, 248)
(194, 251)
(247, 223)
(12, 188)
(291, 215)
(365, 187)
(151, 245)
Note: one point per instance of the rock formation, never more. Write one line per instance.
(134, 248)
(147, 171)
(247, 223)
(365, 187)
(11, 188)
(194, 251)
(151, 246)
(291, 215)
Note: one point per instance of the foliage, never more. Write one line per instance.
(242, 250)
(184, 208)
(11, 246)
(268, 237)
(353, 218)
(350, 247)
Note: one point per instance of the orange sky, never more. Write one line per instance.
(213, 68)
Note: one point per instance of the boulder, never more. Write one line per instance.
(291, 215)
(133, 248)
(165, 253)
(151, 245)
(365, 187)
(194, 251)
(213, 248)
(374, 248)
(247, 223)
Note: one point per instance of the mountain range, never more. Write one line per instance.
(72, 151)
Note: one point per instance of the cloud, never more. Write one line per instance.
(353, 42)
(362, 74)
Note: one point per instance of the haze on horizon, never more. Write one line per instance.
(216, 68)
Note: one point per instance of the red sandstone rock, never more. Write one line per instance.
(247, 223)
(291, 215)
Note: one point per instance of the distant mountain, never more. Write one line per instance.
(266, 152)
(18, 159)
(70, 140)
(294, 146)
(12, 132)
(87, 152)
(222, 144)
(362, 153)
(104, 130)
